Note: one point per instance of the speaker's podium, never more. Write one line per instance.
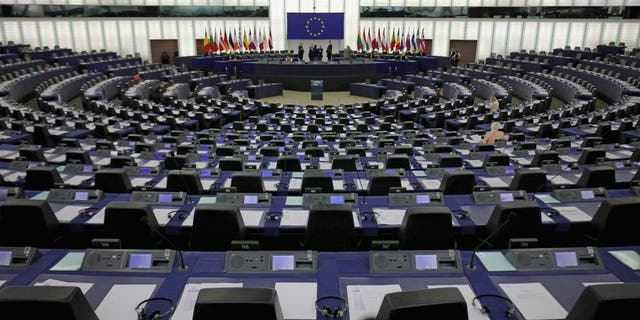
(316, 89)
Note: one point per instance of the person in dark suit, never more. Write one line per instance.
(164, 58)
(310, 53)
(319, 54)
(329, 50)
(300, 52)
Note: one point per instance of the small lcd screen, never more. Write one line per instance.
(32, 165)
(243, 148)
(506, 197)
(509, 170)
(132, 143)
(391, 171)
(204, 147)
(164, 198)
(423, 198)
(81, 196)
(87, 168)
(301, 158)
(282, 263)
(267, 173)
(250, 199)
(5, 258)
(145, 170)
(336, 200)
(251, 157)
(140, 261)
(205, 172)
(619, 164)
(4, 193)
(204, 157)
(566, 259)
(157, 155)
(329, 172)
(426, 262)
(167, 145)
(587, 194)
(281, 149)
(449, 169)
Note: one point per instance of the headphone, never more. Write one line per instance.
(156, 313)
(511, 307)
(328, 312)
(369, 215)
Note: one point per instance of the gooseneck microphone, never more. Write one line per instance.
(471, 265)
(144, 220)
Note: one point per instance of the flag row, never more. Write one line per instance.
(237, 41)
(396, 41)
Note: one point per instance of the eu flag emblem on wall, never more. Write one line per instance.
(315, 25)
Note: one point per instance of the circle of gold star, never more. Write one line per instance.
(314, 34)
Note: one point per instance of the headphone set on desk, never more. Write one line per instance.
(329, 312)
(511, 307)
(156, 313)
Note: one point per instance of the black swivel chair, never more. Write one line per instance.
(380, 183)
(321, 181)
(449, 161)
(121, 161)
(544, 157)
(616, 222)
(42, 178)
(113, 181)
(496, 159)
(133, 223)
(600, 302)
(330, 228)
(231, 164)
(289, 163)
(215, 226)
(42, 137)
(529, 181)
(435, 303)
(243, 303)
(458, 182)
(346, 163)
(247, 182)
(41, 302)
(270, 151)
(25, 222)
(426, 228)
(33, 153)
(515, 219)
(591, 155)
(186, 181)
(594, 177)
(398, 161)
(78, 157)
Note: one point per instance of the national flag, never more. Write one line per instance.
(398, 41)
(423, 42)
(359, 42)
(264, 40)
(393, 41)
(407, 45)
(371, 40)
(364, 37)
(378, 41)
(413, 42)
(261, 44)
(225, 41)
(206, 45)
(236, 44)
(245, 40)
(401, 42)
(213, 41)
(270, 40)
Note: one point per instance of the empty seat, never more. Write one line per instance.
(449, 161)
(515, 219)
(121, 161)
(330, 228)
(426, 228)
(434, 303)
(270, 151)
(615, 223)
(78, 157)
(25, 222)
(230, 164)
(42, 178)
(113, 181)
(346, 163)
(397, 161)
(458, 182)
(32, 154)
(544, 157)
(496, 159)
(594, 177)
(133, 223)
(247, 182)
(601, 301)
(591, 155)
(185, 181)
(529, 181)
(215, 226)
(243, 303)
(289, 163)
(317, 152)
(319, 181)
(381, 183)
(40, 302)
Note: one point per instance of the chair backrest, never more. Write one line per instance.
(529, 181)
(247, 182)
(231, 164)
(113, 180)
(346, 163)
(380, 183)
(458, 182)
(615, 223)
(133, 223)
(289, 163)
(397, 161)
(41, 136)
(545, 157)
(599, 302)
(449, 161)
(215, 226)
(595, 177)
(496, 159)
(322, 181)
(521, 219)
(40, 302)
(186, 181)
(26, 222)
(330, 228)
(426, 228)
(42, 178)
(33, 154)
(589, 156)
(77, 156)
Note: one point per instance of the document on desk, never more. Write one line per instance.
(630, 258)
(295, 184)
(141, 181)
(495, 182)
(75, 180)
(68, 213)
(294, 201)
(391, 217)
(72, 261)
(546, 198)
(122, 299)
(468, 294)
(495, 261)
(184, 310)
(297, 299)
(325, 165)
(560, 180)
(294, 218)
(533, 301)
(474, 163)
(573, 214)
(430, 184)
(338, 184)
(84, 286)
(406, 184)
(2, 282)
(162, 184)
(207, 183)
(252, 218)
(271, 185)
(364, 301)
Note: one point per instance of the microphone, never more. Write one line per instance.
(363, 201)
(145, 220)
(471, 265)
(182, 180)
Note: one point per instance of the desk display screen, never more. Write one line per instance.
(250, 199)
(164, 198)
(81, 196)
(422, 198)
(426, 262)
(32, 165)
(329, 172)
(157, 155)
(140, 261)
(4, 193)
(145, 170)
(204, 147)
(390, 171)
(243, 148)
(167, 145)
(251, 157)
(205, 173)
(204, 157)
(336, 199)
(587, 194)
(566, 259)
(267, 173)
(87, 168)
(281, 149)
(506, 197)
(509, 170)
(301, 158)
(282, 263)
(5, 258)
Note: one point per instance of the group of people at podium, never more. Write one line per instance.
(315, 52)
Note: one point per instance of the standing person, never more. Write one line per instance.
(300, 52)
(329, 50)
(452, 57)
(494, 105)
(457, 57)
(319, 53)
(164, 58)
(310, 53)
